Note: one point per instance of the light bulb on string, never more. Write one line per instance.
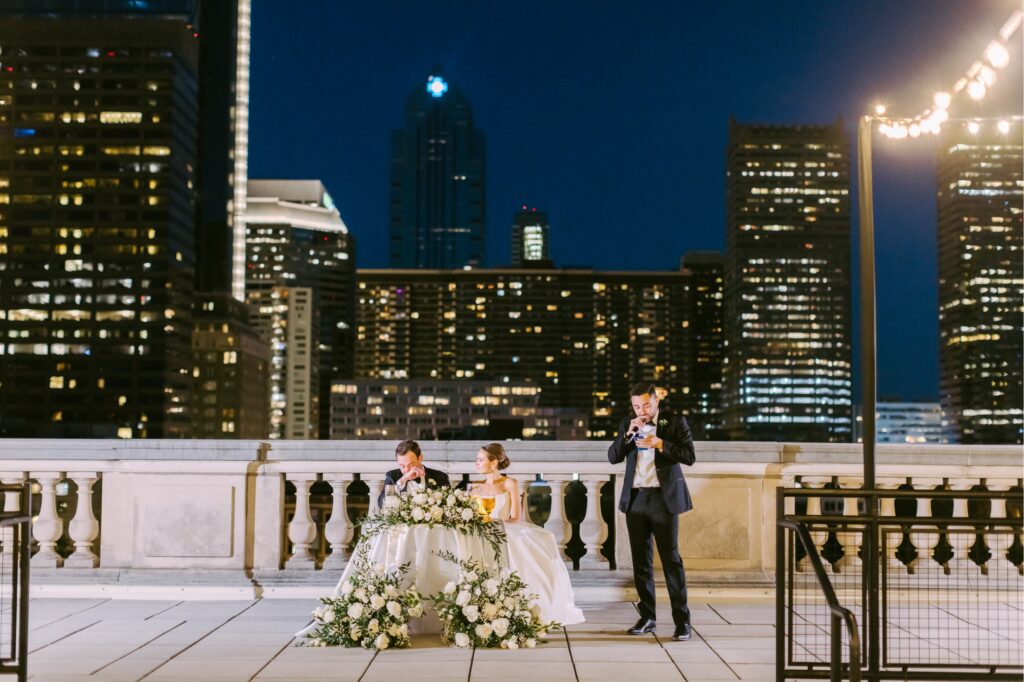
(973, 127)
(942, 100)
(1004, 127)
(976, 89)
(914, 130)
(997, 55)
(987, 76)
(879, 109)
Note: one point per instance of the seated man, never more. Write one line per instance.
(411, 474)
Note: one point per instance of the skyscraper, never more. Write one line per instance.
(787, 284)
(981, 283)
(437, 180)
(530, 239)
(583, 337)
(98, 159)
(301, 273)
(703, 352)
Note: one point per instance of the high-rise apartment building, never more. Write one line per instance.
(437, 180)
(231, 368)
(703, 349)
(787, 284)
(98, 169)
(301, 274)
(531, 237)
(581, 336)
(981, 283)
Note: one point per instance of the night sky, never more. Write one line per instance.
(613, 118)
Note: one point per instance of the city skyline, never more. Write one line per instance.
(557, 122)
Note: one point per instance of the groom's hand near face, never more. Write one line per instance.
(412, 473)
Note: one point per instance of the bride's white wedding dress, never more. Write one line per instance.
(533, 554)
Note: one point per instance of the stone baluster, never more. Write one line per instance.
(818, 535)
(12, 503)
(302, 530)
(890, 535)
(928, 535)
(524, 482)
(48, 526)
(557, 524)
(376, 487)
(999, 537)
(594, 529)
(962, 535)
(852, 538)
(338, 530)
(84, 528)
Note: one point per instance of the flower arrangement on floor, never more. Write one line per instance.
(371, 611)
(486, 610)
(441, 506)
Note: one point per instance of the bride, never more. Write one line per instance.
(532, 552)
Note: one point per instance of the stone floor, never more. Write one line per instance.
(124, 640)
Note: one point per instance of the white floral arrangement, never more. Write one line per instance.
(481, 609)
(435, 506)
(372, 610)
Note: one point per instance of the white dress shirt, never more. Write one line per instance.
(646, 475)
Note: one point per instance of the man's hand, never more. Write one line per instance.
(651, 441)
(412, 474)
(635, 425)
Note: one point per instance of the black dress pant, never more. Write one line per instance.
(648, 518)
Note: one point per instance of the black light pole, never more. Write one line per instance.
(868, 372)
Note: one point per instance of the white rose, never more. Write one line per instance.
(483, 631)
(471, 577)
(404, 630)
(461, 639)
(530, 643)
(382, 641)
(318, 613)
(504, 644)
(355, 633)
(416, 611)
(467, 514)
(501, 627)
(449, 588)
(510, 603)
(390, 591)
(329, 616)
(463, 598)
(394, 631)
(376, 602)
(471, 612)
(417, 514)
(355, 610)
(394, 608)
(512, 643)
(361, 595)
(491, 585)
(419, 498)
(489, 611)
(476, 591)
(436, 513)
(346, 588)
(373, 626)
(450, 500)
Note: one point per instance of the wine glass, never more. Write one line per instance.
(390, 494)
(484, 501)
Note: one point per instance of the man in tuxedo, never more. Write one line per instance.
(654, 493)
(411, 474)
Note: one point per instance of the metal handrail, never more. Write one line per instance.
(840, 614)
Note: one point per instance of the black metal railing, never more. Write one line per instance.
(15, 552)
(932, 576)
(839, 615)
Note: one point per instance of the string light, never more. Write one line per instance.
(976, 83)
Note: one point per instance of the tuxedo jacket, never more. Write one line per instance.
(435, 478)
(677, 449)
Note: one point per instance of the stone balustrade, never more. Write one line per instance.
(227, 506)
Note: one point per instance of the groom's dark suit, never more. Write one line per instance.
(434, 478)
(653, 511)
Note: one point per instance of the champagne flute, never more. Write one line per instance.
(484, 502)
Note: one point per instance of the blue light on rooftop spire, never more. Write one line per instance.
(437, 86)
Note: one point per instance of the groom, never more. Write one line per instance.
(654, 493)
(411, 473)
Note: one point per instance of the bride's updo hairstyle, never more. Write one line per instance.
(496, 453)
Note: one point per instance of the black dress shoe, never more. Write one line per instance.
(682, 633)
(642, 627)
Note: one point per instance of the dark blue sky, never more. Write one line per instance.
(613, 117)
